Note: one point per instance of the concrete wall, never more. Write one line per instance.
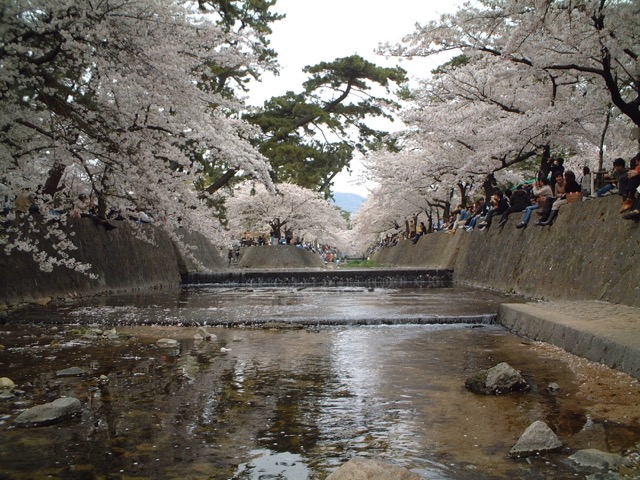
(279, 256)
(120, 259)
(590, 253)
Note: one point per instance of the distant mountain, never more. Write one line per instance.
(348, 201)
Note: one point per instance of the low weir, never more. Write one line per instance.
(378, 278)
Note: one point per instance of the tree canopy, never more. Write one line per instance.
(137, 102)
(108, 98)
(529, 80)
(311, 136)
(252, 207)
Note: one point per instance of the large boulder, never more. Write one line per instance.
(499, 379)
(49, 413)
(537, 438)
(366, 469)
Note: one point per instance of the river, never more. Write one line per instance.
(295, 382)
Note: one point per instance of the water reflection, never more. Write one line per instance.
(247, 306)
(293, 403)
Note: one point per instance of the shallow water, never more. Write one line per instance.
(212, 305)
(289, 403)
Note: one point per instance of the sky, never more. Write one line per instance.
(323, 30)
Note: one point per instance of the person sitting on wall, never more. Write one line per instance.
(25, 200)
(585, 182)
(570, 186)
(541, 191)
(480, 210)
(81, 206)
(558, 192)
(519, 201)
(421, 230)
(84, 207)
(500, 205)
(557, 168)
(619, 169)
(460, 215)
(628, 184)
(634, 213)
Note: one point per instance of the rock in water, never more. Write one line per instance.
(598, 459)
(365, 469)
(537, 438)
(6, 384)
(553, 388)
(167, 342)
(203, 334)
(71, 372)
(499, 379)
(6, 389)
(49, 413)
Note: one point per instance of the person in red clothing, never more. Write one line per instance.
(629, 183)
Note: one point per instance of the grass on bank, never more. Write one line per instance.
(360, 263)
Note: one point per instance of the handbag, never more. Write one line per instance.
(574, 197)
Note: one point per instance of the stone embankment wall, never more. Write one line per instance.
(120, 258)
(279, 256)
(590, 253)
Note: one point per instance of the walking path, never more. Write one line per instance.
(599, 331)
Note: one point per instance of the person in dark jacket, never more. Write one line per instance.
(519, 202)
(500, 205)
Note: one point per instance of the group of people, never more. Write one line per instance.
(626, 183)
(527, 198)
(546, 196)
(30, 202)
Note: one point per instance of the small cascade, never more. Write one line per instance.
(322, 321)
(369, 278)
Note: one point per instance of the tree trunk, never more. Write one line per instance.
(222, 181)
(545, 167)
(53, 179)
(489, 186)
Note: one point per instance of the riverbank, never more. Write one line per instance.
(582, 272)
(131, 257)
(590, 253)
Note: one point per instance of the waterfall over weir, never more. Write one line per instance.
(316, 297)
(379, 278)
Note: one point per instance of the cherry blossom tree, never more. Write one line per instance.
(532, 78)
(596, 40)
(112, 98)
(485, 116)
(252, 207)
(407, 189)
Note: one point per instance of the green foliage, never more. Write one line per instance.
(456, 62)
(250, 18)
(309, 137)
(359, 264)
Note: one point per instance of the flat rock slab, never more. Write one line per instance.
(599, 331)
(71, 372)
(537, 438)
(366, 469)
(49, 413)
(598, 459)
